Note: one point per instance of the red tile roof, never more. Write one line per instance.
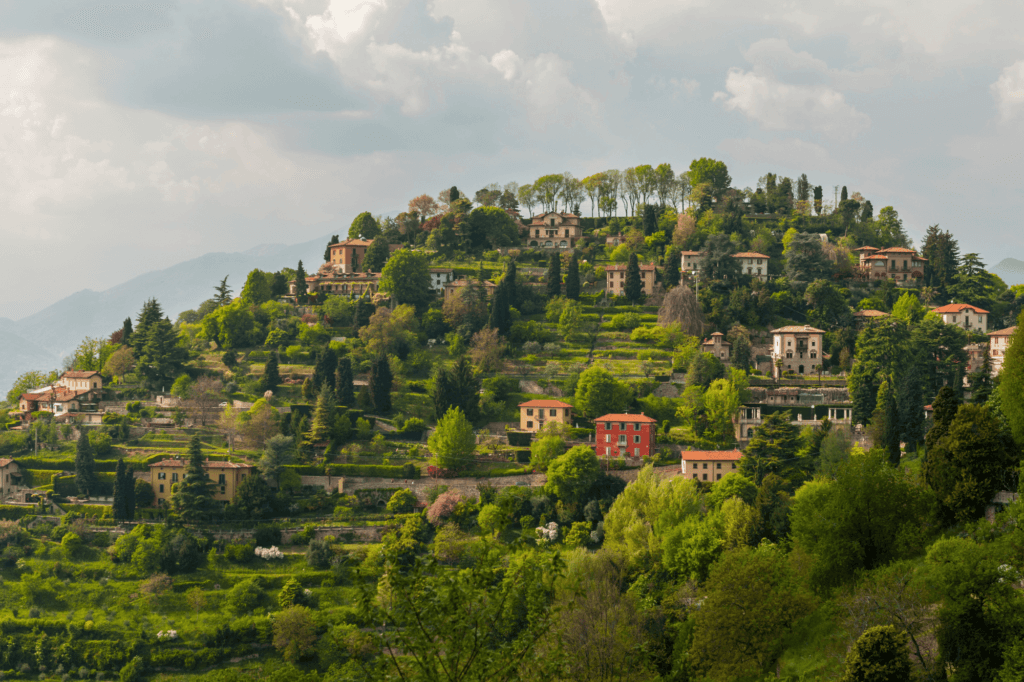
(689, 253)
(870, 313)
(958, 307)
(797, 329)
(351, 242)
(626, 418)
(866, 248)
(896, 249)
(711, 455)
(749, 254)
(544, 403)
(5, 462)
(78, 374)
(1004, 332)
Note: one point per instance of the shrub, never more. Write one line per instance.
(319, 554)
(132, 670)
(245, 596)
(443, 507)
(402, 502)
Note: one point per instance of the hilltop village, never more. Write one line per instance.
(697, 403)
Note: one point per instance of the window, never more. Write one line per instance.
(529, 411)
(529, 425)
(789, 343)
(718, 477)
(718, 465)
(161, 475)
(222, 490)
(705, 465)
(607, 438)
(174, 478)
(705, 477)
(622, 427)
(813, 343)
(636, 439)
(552, 413)
(222, 480)
(734, 465)
(695, 476)
(608, 451)
(161, 487)
(636, 452)
(622, 440)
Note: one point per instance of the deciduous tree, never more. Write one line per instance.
(453, 442)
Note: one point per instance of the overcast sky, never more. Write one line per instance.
(137, 135)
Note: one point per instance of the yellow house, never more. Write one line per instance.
(534, 414)
(225, 476)
(710, 465)
(615, 276)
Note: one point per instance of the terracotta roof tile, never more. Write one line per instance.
(797, 329)
(749, 254)
(711, 455)
(959, 307)
(1004, 332)
(544, 403)
(626, 418)
(74, 374)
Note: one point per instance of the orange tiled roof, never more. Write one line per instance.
(626, 418)
(797, 329)
(706, 455)
(958, 308)
(617, 268)
(749, 254)
(74, 374)
(5, 462)
(206, 465)
(1004, 332)
(544, 403)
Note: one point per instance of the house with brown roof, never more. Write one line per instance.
(970, 317)
(339, 283)
(625, 435)
(896, 263)
(710, 465)
(998, 344)
(81, 380)
(225, 477)
(57, 400)
(615, 279)
(535, 414)
(690, 261)
(717, 346)
(10, 477)
(863, 318)
(554, 230)
(753, 264)
(799, 348)
(451, 288)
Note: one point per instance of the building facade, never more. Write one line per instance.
(863, 318)
(10, 476)
(625, 435)
(895, 263)
(225, 477)
(972, 318)
(799, 348)
(535, 414)
(998, 344)
(753, 264)
(81, 381)
(554, 230)
(440, 277)
(341, 283)
(717, 346)
(615, 279)
(710, 465)
(690, 262)
(451, 288)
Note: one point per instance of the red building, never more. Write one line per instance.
(625, 435)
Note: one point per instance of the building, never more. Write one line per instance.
(753, 264)
(625, 435)
(690, 262)
(799, 348)
(710, 465)
(976, 353)
(340, 283)
(751, 416)
(614, 240)
(895, 263)
(998, 344)
(554, 230)
(225, 477)
(615, 279)
(863, 318)
(717, 346)
(535, 414)
(971, 318)
(439, 277)
(10, 476)
(79, 381)
(457, 285)
(347, 255)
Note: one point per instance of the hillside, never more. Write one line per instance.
(1010, 270)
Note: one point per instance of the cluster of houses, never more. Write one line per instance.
(75, 396)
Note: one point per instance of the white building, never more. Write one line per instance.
(971, 318)
(998, 344)
(439, 277)
(800, 349)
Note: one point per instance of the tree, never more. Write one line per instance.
(633, 288)
(294, 632)
(406, 276)
(826, 305)
(160, 358)
(271, 378)
(554, 276)
(456, 386)
(910, 408)
(890, 228)
(772, 449)
(124, 485)
(402, 502)
(545, 450)
(194, 496)
(670, 274)
(324, 369)
(570, 476)
(223, 297)
(363, 227)
(323, 419)
(717, 261)
(327, 251)
(85, 467)
(805, 259)
(486, 349)
(909, 308)
(120, 362)
(376, 254)
(344, 394)
(886, 420)
(1011, 383)
(680, 306)
(256, 291)
(254, 498)
(300, 283)
(380, 380)
(880, 655)
(453, 442)
(752, 601)
(710, 172)
(598, 393)
(501, 317)
(489, 226)
(144, 495)
(572, 279)
(980, 381)
(277, 452)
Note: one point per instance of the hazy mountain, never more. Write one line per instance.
(41, 340)
(1010, 270)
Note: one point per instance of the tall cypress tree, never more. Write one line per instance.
(843, 194)
(126, 331)
(633, 288)
(323, 418)
(554, 278)
(380, 383)
(510, 278)
(944, 409)
(887, 420)
(85, 466)
(981, 381)
(818, 195)
(343, 383)
(324, 369)
(300, 283)
(911, 409)
(129, 494)
(670, 275)
(501, 318)
(572, 279)
(194, 496)
(271, 373)
(120, 503)
(442, 390)
(467, 387)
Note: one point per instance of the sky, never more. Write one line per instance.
(135, 135)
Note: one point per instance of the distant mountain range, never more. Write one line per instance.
(41, 341)
(1010, 270)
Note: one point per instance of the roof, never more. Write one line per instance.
(544, 403)
(798, 329)
(206, 465)
(626, 418)
(616, 268)
(351, 242)
(689, 253)
(75, 374)
(896, 249)
(870, 313)
(958, 308)
(57, 394)
(729, 455)
(5, 462)
(464, 282)
(749, 254)
(876, 256)
(1004, 332)
(866, 248)
(440, 270)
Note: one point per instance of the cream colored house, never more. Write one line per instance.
(717, 346)
(81, 381)
(690, 262)
(971, 318)
(895, 263)
(615, 279)
(710, 465)
(10, 474)
(535, 414)
(753, 264)
(225, 478)
(553, 230)
(998, 344)
(800, 349)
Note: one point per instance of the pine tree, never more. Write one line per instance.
(271, 373)
(223, 296)
(572, 279)
(510, 278)
(633, 288)
(160, 358)
(307, 389)
(324, 369)
(323, 418)
(442, 390)
(911, 409)
(501, 318)
(649, 220)
(843, 194)
(193, 498)
(85, 466)
(343, 383)
(150, 314)
(670, 275)
(300, 283)
(886, 419)
(554, 277)
(126, 331)
(456, 386)
(380, 384)
(981, 381)
(119, 506)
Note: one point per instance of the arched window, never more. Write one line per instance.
(750, 432)
(547, 245)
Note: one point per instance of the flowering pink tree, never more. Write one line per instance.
(443, 507)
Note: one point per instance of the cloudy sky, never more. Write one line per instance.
(137, 135)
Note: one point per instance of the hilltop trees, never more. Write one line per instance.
(453, 441)
(364, 226)
(406, 276)
(159, 357)
(633, 289)
(572, 279)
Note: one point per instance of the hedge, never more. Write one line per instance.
(107, 465)
(37, 478)
(92, 511)
(374, 470)
(519, 438)
(10, 512)
(65, 485)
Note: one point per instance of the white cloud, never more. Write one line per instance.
(1008, 91)
(508, 63)
(781, 106)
